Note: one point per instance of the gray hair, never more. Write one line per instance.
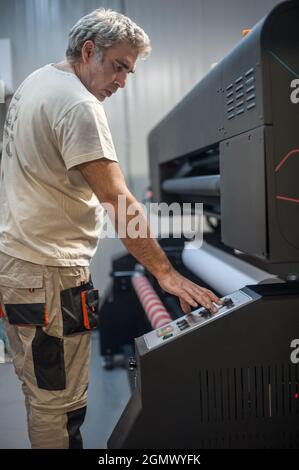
(106, 28)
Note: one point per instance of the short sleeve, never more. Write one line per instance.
(83, 135)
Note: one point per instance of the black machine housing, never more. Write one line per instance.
(239, 123)
(230, 380)
(229, 383)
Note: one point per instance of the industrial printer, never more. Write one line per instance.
(230, 379)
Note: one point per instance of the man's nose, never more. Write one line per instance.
(121, 80)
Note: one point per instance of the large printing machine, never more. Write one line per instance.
(230, 379)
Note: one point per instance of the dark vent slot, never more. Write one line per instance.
(249, 81)
(250, 71)
(252, 105)
(250, 97)
(251, 88)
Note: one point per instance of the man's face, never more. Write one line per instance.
(102, 77)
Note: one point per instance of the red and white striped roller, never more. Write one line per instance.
(153, 307)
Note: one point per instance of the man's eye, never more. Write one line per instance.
(119, 67)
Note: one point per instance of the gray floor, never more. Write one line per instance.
(108, 393)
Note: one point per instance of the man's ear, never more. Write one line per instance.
(88, 51)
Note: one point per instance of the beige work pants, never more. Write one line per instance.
(52, 366)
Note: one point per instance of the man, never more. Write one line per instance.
(59, 162)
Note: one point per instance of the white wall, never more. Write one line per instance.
(5, 64)
(187, 36)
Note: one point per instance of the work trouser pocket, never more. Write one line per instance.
(25, 302)
(79, 307)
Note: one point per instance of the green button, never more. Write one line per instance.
(167, 336)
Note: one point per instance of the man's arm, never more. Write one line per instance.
(107, 182)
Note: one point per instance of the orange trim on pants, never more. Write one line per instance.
(1, 311)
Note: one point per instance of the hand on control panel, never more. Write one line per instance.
(189, 293)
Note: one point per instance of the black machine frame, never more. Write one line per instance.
(233, 144)
(229, 384)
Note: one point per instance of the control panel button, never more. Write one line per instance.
(167, 336)
(164, 330)
(206, 313)
(227, 302)
(182, 324)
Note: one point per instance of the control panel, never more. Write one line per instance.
(196, 319)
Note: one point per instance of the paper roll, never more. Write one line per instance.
(220, 270)
(153, 307)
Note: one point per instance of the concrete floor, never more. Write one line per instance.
(108, 394)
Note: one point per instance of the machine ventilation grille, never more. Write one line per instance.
(240, 95)
(249, 393)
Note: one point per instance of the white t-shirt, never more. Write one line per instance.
(48, 213)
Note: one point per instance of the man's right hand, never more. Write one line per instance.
(189, 293)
